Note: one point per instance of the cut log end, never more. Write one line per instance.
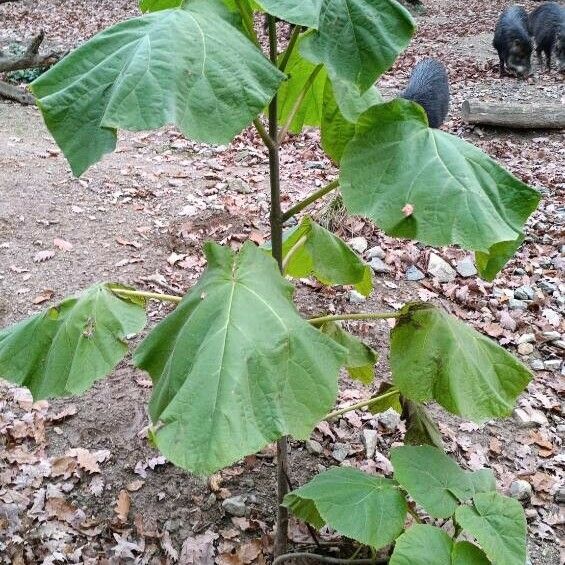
(515, 116)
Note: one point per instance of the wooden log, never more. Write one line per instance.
(14, 93)
(515, 116)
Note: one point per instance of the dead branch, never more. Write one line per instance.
(12, 92)
(30, 59)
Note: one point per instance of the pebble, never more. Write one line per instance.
(240, 186)
(356, 297)
(560, 343)
(235, 506)
(314, 447)
(340, 451)
(530, 420)
(560, 495)
(521, 490)
(524, 293)
(537, 364)
(376, 251)
(525, 348)
(369, 439)
(531, 513)
(358, 244)
(414, 274)
(526, 338)
(514, 304)
(442, 271)
(379, 266)
(466, 267)
(390, 419)
(552, 364)
(547, 286)
(551, 336)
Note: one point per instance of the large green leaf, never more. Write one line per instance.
(434, 356)
(358, 40)
(499, 525)
(325, 256)
(427, 545)
(187, 67)
(360, 358)
(156, 5)
(66, 348)
(366, 508)
(298, 70)
(431, 478)
(482, 480)
(457, 194)
(491, 262)
(301, 12)
(235, 366)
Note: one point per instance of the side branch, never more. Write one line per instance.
(357, 316)
(309, 200)
(12, 92)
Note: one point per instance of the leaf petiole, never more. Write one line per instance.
(124, 292)
(367, 402)
(309, 200)
(356, 316)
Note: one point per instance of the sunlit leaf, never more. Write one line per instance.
(301, 12)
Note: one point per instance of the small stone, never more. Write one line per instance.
(536, 364)
(547, 287)
(369, 438)
(379, 266)
(525, 349)
(340, 451)
(358, 244)
(560, 343)
(521, 490)
(314, 165)
(414, 274)
(356, 297)
(526, 338)
(314, 447)
(531, 513)
(514, 304)
(524, 293)
(441, 270)
(552, 364)
(560, 495)
(390, 419)
(235, 506)
(551, 336)
(466, 267)
(530, 419)
(376, 251)
(240, 186)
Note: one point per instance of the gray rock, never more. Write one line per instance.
(240, 186)
(547, 286)
(376, 251)
(235, 506)
(359, 244)
(525, 349)
(552, 364)
(524, 293)
(314, 447)
(551, 336)
(530, 419)
(414, 274)
(560, 343)
(390, 419)
(356, 297)
(560, 495)
(314, 165)
(526, 338)
(536, 364)
(514, 304)
(521, 490)
(379, 266)
(441, 270)
(369, 438)
(466, 267)
(340, 451)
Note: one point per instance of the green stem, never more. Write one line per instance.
(143, 294)
(309, 200)
(247, 20)
(275, 217)
(357, 316)
(292, 251)
(367, 402)
(270, 143)
(290, 47)
(298, 103)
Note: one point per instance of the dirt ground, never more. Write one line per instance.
(140, 217)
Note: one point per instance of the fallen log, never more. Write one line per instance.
(12, 92)
(515, 116)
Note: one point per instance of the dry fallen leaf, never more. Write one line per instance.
(135, 485)
(168, 547)
(122, 506)
(62, 244)
(63, 466)
(96, 486)
(46, 295)
(42, 256)
(86, 459)
(66, 412)
(198, 550)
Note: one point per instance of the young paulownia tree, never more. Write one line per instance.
(234, 365)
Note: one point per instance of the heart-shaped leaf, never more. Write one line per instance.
(434, 356)
(457, 194)
(499, 525)
(358, 40)
(189, 67)
(431, 478)
(301, 12)
(233, 363)
(363, 507)
(66, 348)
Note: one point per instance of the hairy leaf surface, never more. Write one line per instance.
(363, 507)
(189, 67)
(66, 348)
(434, 356)
(234, 364)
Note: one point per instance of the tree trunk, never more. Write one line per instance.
(516, 116)
(12, 92)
